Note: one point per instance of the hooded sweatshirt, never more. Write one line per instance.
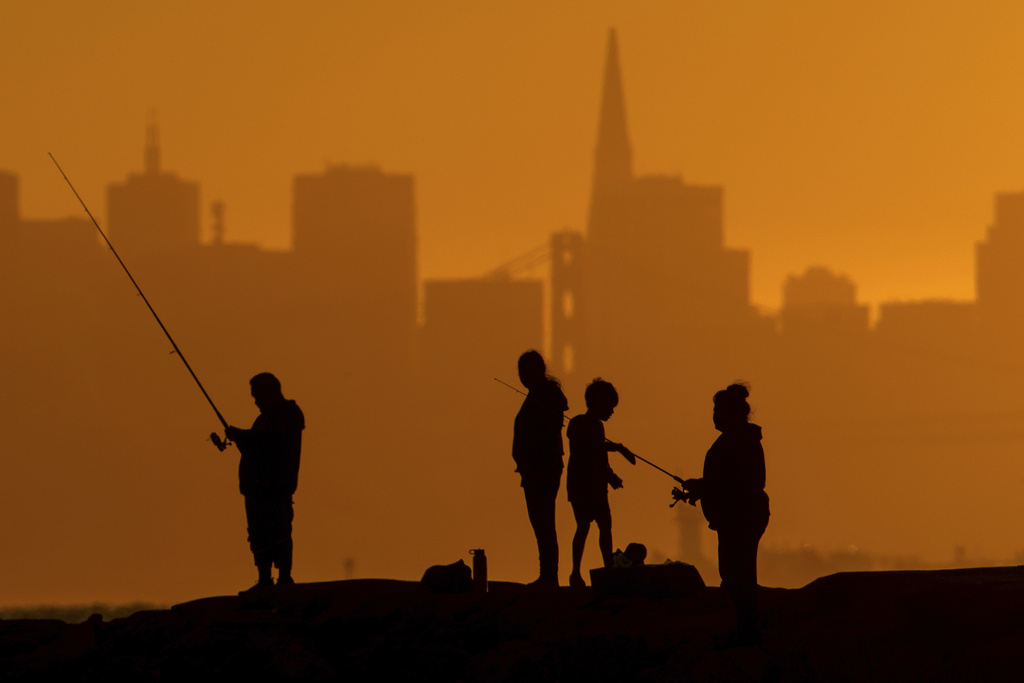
(732, 489)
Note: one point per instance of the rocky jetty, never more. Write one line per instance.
(871, 626)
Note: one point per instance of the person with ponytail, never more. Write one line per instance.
(734, 502)
(538, 452)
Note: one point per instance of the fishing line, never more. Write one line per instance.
(679, 480)
(221, 444)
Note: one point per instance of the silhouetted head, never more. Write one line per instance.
(601, 398)
(266, 391)
(731, 407)
(532, 369)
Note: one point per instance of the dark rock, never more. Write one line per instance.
(654, 581)
(947, 625)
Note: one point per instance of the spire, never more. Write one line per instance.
(613, 158)
(152, 147)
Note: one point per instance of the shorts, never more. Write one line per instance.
(588, 509)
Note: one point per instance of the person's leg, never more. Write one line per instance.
(604, 528)
(746, 593)
(540, 507)
(283, 544)
(737, 565)
(255, 514)
(284, 563)
(579, 543)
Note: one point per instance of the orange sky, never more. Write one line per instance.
(867, 135)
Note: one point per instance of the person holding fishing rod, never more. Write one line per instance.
(590, 474)
(268, 471)
(268, 474)
(732, 496)
(538, 450)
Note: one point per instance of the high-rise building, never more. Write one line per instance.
(999, 278)
(153, 211)
(821, 305)
(355, 245)
(363, 221)
(8, 200)
(9, 231)
(658, 278)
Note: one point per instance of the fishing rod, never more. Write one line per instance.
(679, 480)
(221, 444)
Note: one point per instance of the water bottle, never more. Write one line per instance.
(479, 570)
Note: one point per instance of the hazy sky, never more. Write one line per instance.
(865, 135)
(868, 136)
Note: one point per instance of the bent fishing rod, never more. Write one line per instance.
(221, 444)
(679, 480)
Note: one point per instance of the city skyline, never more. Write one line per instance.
(870, 434)
(536, 260)
(844, 136)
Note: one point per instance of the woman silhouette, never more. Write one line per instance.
(734, 502)
(538, 451)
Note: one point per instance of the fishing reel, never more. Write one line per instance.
(681, 495)
(221, 444)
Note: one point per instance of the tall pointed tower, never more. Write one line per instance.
(658, 280)
(613, 157)
(609, 211)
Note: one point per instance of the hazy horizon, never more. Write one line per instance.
(844, 135)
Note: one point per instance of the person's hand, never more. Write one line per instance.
(686, 496)
(232, 433)
(627, 454)
(614, 480)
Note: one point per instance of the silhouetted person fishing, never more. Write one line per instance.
(732, 496)
(590, 474)
(537, 449)
(268, 473)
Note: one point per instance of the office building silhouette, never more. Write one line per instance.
(153, 212)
